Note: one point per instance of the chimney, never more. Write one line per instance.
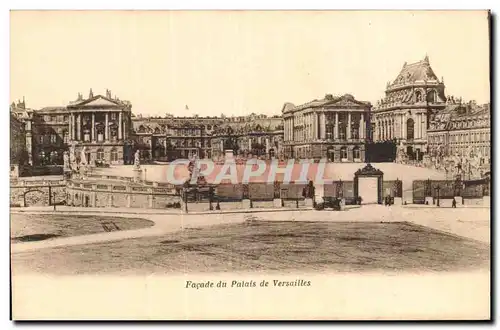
(91, 94)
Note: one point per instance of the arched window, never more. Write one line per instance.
(418, 96)
(114, 155)
(410, 129)
(343, 153)
(356, 153)
(431, 96)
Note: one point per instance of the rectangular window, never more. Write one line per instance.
(53, 138)
(113, 116)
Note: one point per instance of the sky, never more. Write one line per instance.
(238, 62)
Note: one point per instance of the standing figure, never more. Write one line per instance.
(66, 161)
(83, 157)
(137, 161)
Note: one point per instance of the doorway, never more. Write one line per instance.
(368, 190)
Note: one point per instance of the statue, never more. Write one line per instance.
(66, 161)
(72, 157)
(137, 161)
(83, 157)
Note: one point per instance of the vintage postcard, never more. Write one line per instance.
(250, 165)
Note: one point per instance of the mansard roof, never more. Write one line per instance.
(419, 71)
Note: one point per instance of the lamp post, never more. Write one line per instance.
(54, 200)
(438, 188)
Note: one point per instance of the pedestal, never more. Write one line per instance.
(309, 202)
(342, 204)
(277, 202)
(137, 174)
(398, 201)
(429, 200)
(486, 201)
(246, 204)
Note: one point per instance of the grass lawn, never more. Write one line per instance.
(268, 246)
(36, 227)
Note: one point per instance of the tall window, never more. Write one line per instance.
(431, 96)
(113, 130)
(65, 136)
(343, 153)
(114, 155)
(100, 154)
(356, 154)
(53, 138)
(410, 129)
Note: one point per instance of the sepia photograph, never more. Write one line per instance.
(250, 165)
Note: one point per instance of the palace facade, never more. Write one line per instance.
(335, 127)
(410, 103)
(415, 113)
(170, 137)
(461, 130)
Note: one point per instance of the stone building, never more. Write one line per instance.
(333, 127)
(168, 138)
(17, 145)
(410, 102)
(101, 124)
(461, 130)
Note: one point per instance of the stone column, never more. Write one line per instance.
(336, 127)
(70, 127)
(222, 146)
(106, 128)
(323, 126)
(424, 126)
(362, 126)
(401, 126)
(79, 127)
(120, 123)
(348, 126)
(92, 137)
(267, 146)
(404, 127)
(315, 126)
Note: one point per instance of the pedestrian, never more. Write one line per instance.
(454, 203)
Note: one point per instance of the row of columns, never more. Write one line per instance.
(75, 127)
(396, 126)
(318, 124)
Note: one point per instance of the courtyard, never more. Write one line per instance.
(39, 227)
(293, 241)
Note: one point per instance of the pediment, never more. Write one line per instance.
(347, 101)
(98, 101)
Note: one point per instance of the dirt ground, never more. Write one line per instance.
(268, 246)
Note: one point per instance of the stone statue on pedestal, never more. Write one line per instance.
(66, 167)
(137, 161)
(83, 157)
(72, 158)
